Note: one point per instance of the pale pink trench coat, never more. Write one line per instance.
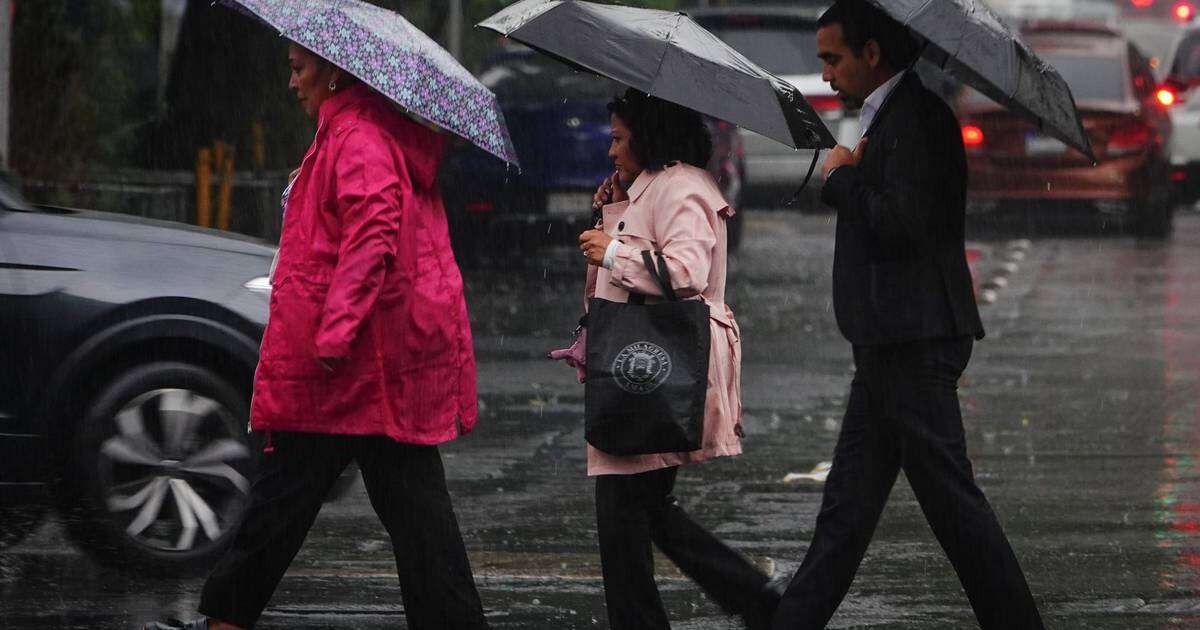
(679, 211)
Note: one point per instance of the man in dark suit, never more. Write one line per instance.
(903, 298)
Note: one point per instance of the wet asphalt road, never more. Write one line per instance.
(1082, 410)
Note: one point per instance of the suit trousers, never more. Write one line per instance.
(634, 510)
(903, 414)
(407, 488)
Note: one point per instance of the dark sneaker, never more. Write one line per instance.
(175, 624)
(759, 617)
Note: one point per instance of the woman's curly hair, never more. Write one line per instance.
(661, 131)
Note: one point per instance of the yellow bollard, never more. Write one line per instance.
(259, 154)
(203, 188)
(219, 148)
(225, 192)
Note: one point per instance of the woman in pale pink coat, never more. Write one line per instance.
(674, 206)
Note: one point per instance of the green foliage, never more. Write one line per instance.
(77, 96)
(85, 83)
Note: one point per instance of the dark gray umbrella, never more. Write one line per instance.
(669, 56)
(968, 40)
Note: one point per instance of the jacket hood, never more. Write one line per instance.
(422, 145)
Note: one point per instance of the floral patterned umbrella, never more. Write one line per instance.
(391, 55)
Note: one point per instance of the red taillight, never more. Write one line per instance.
(1183, 11)
(1142, 4)
(1166, 96)
(479, 207)
(825, 103)
(1128, 140)
(972, 136)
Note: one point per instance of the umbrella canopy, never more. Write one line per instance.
(667, 55)
(968, 40)
(388, 53)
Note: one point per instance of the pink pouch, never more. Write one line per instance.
(574, 356)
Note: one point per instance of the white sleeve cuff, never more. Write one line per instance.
(610, 254)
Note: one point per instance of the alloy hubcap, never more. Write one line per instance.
(174, 469)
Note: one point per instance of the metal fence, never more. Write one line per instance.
(170, 196)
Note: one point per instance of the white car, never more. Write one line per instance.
(1183, 82)
(782, 40)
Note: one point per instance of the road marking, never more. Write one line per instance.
(1010, 256)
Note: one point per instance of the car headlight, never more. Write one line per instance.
(261, 284)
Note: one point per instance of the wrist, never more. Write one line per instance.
(610, 254)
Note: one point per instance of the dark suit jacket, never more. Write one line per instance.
(900, 270)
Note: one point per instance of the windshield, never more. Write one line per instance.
(1186, 66)
(779, 49)
(1090, 78)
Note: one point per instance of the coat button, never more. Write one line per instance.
(621, 226)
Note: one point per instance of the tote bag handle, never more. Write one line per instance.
(661, 275)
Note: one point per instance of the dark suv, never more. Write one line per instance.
(128, 352)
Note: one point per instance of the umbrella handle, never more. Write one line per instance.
(811, 167)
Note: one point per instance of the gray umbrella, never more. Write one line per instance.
(669, 56)
(968, 40)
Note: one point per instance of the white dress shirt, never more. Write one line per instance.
(875, 101)
(872, 105)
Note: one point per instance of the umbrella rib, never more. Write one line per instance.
(918, 11)
(666, 50)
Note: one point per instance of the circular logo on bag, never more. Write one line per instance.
(641, 367)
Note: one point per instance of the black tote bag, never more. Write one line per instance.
(647, 371)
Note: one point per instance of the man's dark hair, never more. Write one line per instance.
(862, 22)
(661, 131)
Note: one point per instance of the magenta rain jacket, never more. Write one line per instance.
(366, 273)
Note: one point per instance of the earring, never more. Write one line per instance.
(333, 86)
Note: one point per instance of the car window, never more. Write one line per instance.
(780, 50)
(537, 77)
(1186, 65)
(1090, 78)
(1144, 84)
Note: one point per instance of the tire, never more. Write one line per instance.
(17, 522)
(1155, 219)
(160, 469)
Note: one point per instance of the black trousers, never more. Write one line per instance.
(634, 510)
(903, 413)
(407, 488)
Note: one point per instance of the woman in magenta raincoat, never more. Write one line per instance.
(367, 356)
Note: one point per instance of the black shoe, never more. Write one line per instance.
(759, 617)
(175, 624)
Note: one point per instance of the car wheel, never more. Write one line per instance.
(161, 466)
(1155, 219)
(18, 521)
